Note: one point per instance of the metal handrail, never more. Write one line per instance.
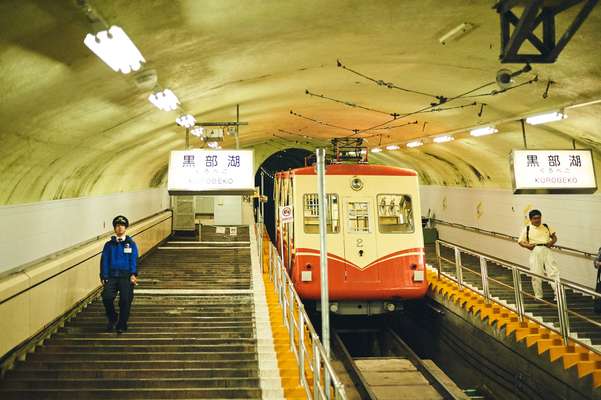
(316, 374)
(505, 236)
(516, 284)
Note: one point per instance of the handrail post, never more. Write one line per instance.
(269, 266)
(316, 370)
(517, 291)
(484, 276)
(291, 306)
(458, 270)
(437, 246)
(339, 388)
(283, 297)
(562, 309)
(301, 344)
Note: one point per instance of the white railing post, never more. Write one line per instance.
(437, 246)
(301, 344)
(316, 370)
(291, 307)
(458, 269)
(562, 310)
(484, 276)
(517, 291)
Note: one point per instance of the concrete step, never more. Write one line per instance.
(178, 345)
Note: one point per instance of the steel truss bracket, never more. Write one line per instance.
(535, 13)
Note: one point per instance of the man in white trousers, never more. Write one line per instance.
(539, 238)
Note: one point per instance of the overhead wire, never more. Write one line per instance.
(321, 122)
(389, 85)
(350, 104)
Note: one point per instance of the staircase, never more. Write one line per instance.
(546, 311)
(191, 334)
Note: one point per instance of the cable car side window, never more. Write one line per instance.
(395, 213)
(311, 213)
(358, 216)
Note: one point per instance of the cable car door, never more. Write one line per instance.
(359, 240)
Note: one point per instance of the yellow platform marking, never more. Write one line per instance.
(547, 342)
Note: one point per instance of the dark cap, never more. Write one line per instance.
(120, 220)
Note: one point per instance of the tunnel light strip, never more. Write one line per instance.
(165, 100)
(376, 150)
(544, 118)
(116, 49)
(484, 131)
(415, 143)
(443, 139)
(392, 147)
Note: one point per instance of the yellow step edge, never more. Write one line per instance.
(287, 365)
(586, 361)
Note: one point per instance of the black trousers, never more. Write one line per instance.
(126, 295)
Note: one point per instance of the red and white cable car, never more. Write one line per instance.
(374, 236)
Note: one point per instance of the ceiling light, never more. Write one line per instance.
(415, 143)
(213, 145)
(186, 121)
(392, 147)
(456, 32)
(165, 100)
(197, 131)
(544, 118)
(116, 49)
(376, 150)
(443, 139)
(486, 130)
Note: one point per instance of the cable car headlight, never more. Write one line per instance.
(356, 184)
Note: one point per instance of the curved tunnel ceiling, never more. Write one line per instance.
(72, 127)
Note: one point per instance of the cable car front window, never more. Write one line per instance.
(395, 213)
(311, 213)
(358, 216)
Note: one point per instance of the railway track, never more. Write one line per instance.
(383, 367)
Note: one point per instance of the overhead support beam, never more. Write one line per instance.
(535, 13)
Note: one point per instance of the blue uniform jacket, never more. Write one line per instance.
(116, 261)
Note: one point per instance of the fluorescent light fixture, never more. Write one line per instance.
(197, 131)
(186, 121)
(116, 49)
(443, 139)
(376, 150)
(456, 32)
(415, 143)
(544, 118)
(165, 100)
(392, 147)
(485, 130)
(213, 145)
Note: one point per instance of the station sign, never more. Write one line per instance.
(210, 172)
(553, 171)
(286, 214)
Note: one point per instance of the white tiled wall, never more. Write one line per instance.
(576, 218)
(31, 231)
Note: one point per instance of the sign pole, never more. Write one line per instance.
(323, 260)
(323, 251)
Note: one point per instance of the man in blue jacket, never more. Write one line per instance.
(118, 273)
